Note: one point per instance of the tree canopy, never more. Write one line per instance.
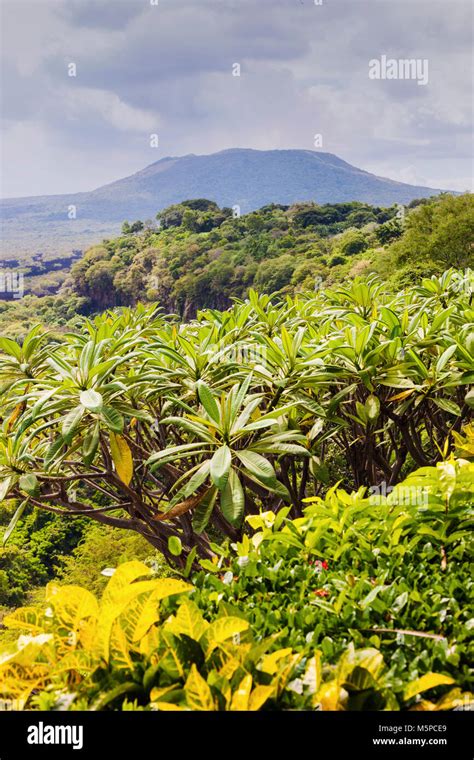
(173, 429)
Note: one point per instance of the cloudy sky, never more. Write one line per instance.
(167, 69)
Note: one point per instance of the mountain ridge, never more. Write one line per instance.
(243, 177)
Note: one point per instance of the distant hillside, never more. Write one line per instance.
(201, 256)
(247, 178)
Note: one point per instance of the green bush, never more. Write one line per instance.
(103, 548)
(386, 571)
(361, 604)
(32, 556)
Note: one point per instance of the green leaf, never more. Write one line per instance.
(258, 466)
(319, 470)
(220, 465)
(13, 521)
(400, 601)
(241, 393)
(53, 451)
(410, 354)
(90, 445)
(362, 415)
(175, 546)
(203, 512)
(233, 500)
(372, 408)
(91, 400)
(112, 418)
(280, 489)
(197, 479)
(189, 562)
(281, 411)
(5, 486)
(173, 452)
(445, 357)
(110, 696)
(316, 429)
(448, 406)
(371, 596)
(29, 484)
(469, 399)
(10, 347)
(208, 401)
(70, 423)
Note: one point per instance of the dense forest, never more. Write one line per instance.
(196, 255)
(202, 257)
(237, 465)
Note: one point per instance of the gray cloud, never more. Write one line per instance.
(168, 69)
(96, 14)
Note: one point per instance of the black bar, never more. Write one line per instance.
(117, 735)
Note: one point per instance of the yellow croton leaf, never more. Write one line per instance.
(428, 681)
(329, 696)
(122, 577)
(137, 606)
(27, 619)
(188, 621)
(158, 693)
(221, 630)
(71, 604)
(240, 697)
(119, 654)
(271, 662)
(143, 611)
(198, 692)
(229, 667)
(259, 696)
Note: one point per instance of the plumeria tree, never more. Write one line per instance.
(177, 431)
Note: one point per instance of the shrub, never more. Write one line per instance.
(33, 554)
(127, 650)
(103, 548)
(386, 571)
(362, 603)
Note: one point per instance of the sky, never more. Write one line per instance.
(168, 69)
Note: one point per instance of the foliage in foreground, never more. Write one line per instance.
(362, 603)
(80, 653)
(179, 431)
(391, 572)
